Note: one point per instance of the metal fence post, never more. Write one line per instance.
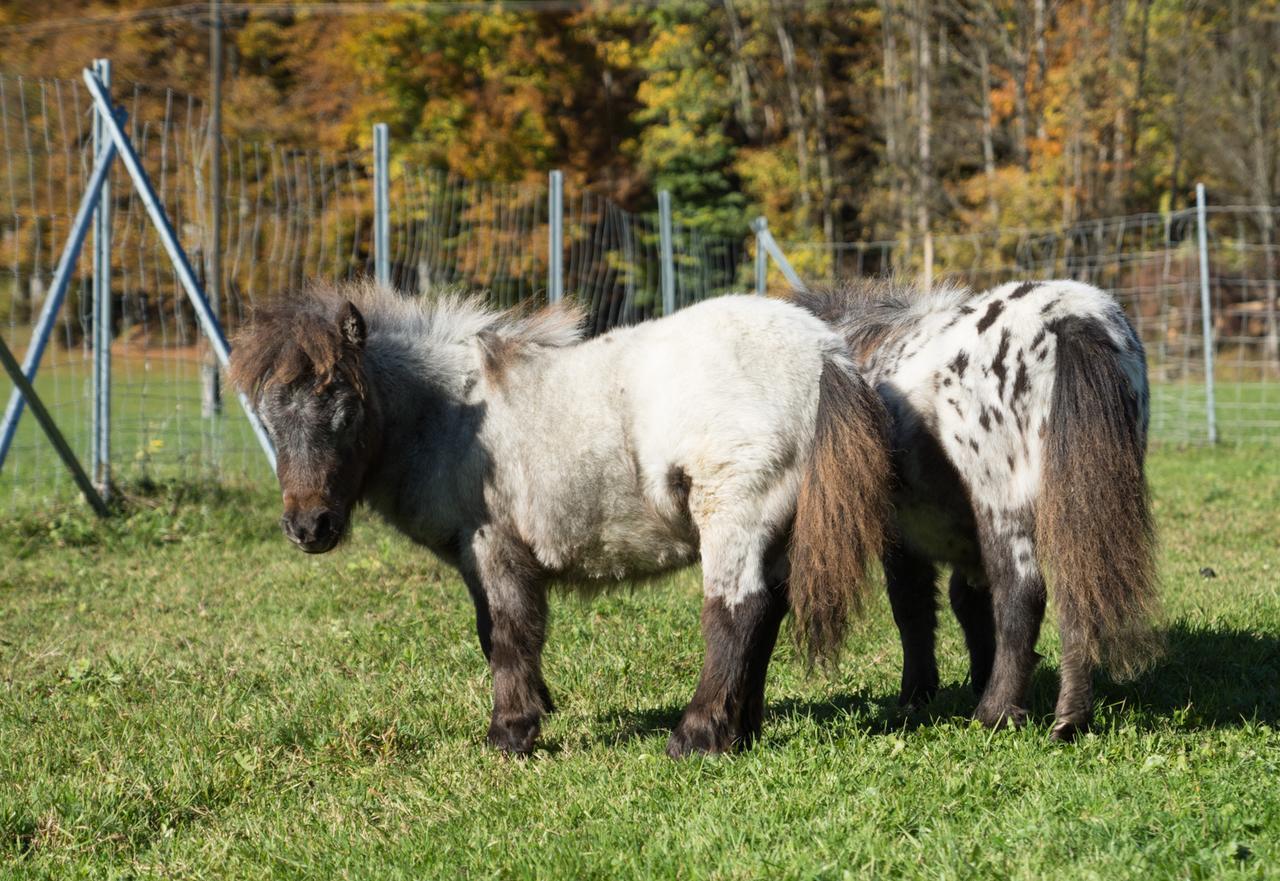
(381, 208)
(100, 458)
(23, 387)
(764, 237)
(57, 291)
(761, 227)
(1206, 322)
(668, 266)
(555, 237)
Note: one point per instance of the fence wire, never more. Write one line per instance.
(287, 215)
(1151, 263)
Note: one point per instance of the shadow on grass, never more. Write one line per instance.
(1208, 677)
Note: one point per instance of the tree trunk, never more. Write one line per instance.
(739, 74)
(988, 134)
(795, 110)
(925, 121)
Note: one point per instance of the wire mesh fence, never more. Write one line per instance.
(1151, 263)
(287, 215)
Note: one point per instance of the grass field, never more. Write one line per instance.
(183, 695)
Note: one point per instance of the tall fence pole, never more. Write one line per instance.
(1206, 321)
(381, 207)
(57, 291)
(555, 237)
(100, 454)
(668, 265)
(211, 386)
(761, 228)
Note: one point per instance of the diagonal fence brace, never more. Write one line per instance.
(765, 238)
(181, 264)
(57, 291)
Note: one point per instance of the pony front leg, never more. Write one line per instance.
(912, 582)
(508, 589)
(972, 607)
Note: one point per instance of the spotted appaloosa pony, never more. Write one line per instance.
(735, 432)
(1019, 432)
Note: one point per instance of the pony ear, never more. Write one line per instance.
(351, 324)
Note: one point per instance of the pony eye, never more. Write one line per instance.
(344, 418)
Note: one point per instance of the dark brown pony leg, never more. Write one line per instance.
(1018, 600)
(728, 705)
(972, 607)
(511, 620)
(1075, 692)
(912, 582)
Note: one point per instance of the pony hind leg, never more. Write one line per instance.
(1018, 603)
(741, 614)
(511, 619)
(760, 645)
(912, 583)
(972, 608)
(727, 708)
(1074, 710)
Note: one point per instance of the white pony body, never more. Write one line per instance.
(735, 432)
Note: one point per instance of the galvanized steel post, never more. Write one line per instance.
(381, 207)
(57, 291)
(668, 265)
(100, 458)
(555, 237)
(1206, 321)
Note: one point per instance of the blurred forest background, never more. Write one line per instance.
(843, 121)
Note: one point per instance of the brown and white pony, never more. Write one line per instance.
(1019, 433)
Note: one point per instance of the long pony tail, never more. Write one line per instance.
(842, 512)
(1093, 525)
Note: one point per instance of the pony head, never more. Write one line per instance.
(301, 364)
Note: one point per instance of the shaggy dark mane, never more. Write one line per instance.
(290, 340)
(870, 312)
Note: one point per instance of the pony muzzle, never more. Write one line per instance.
(314, 530)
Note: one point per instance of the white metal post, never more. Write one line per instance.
(100, 455)
(57, 291)
(668, 265)
(1206, 321)
(381, 208)
(555, 237)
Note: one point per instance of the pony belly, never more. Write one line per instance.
(629, 551)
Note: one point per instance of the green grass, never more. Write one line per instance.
(183, 695)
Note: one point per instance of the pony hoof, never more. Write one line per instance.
(916, 696)
(1067, 730)
(698, 739)
(1006, 717)
(514, 738)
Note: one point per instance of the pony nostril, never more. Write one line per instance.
(323, 526)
